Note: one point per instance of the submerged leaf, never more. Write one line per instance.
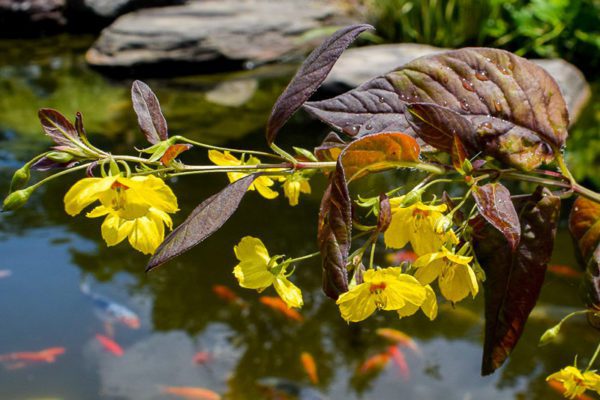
(514, 278)
(495, 205)
(514, 106)
(309, 77)
(149, 115)
(205, 220)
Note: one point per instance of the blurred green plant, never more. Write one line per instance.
(445, 23)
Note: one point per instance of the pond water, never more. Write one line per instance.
(247, 352)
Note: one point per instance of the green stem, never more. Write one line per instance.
(372, 257)
(306, 257)
(208, 146)
(563, 166)
(593, 358)
(284, 154)
(61, 173)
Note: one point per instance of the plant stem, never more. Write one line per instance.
(61, 173)
(593, 359)
(208, 146)
(306, 257)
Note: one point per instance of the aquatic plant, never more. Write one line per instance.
(478, 118)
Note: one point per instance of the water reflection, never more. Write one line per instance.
(255, 351)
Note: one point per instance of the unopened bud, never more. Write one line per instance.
(17, 199)
(443, 224)
(550, 335)
(20, 178)
(60, 156)
(411, 198)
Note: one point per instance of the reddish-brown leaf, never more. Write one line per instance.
(495, 205)
(378, 152)
(173, 152)
(514, 278)
(385, 213)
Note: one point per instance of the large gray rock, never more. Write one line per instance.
(20, 18)
(209, 35)
(361, 64)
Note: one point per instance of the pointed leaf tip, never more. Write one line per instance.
(147, 108)
(309, 77)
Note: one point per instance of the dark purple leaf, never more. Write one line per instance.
(514, 105)
(385, 213)
(335, 234)
(59, 128)
(495, 205)
(514, 279)
(202, 222)
(79, 125)
(46, 164)
(150, 117)
(309, 77)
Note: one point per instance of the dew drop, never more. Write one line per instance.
(486, 125)
(382, 100)
(468, 85)
(511, 66)
(353, 130)
(445, 103)
(464, 105)
(369, 127)
(482, 76)
(497, 106)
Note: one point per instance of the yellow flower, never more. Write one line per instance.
(261, 184)
(456, 277)
(294, 185)
(417, 224)
(429, 306)
(385, 289)
(256, 271)
(135, 208)
(576, 382)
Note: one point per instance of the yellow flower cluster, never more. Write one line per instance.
(293, 184)
(575, 382)
(257, 270)
(135, 208)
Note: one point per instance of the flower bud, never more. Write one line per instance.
(17, 199)
(550, 335)
(20, 178)
(60, 156)
(443, 224)
(411, 198)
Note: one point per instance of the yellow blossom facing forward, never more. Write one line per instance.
(255, 271)
(575, 382)
(262, 184)
(385, 289)
(135, 208)
(293, 185)
(417, 224)
(456, 278)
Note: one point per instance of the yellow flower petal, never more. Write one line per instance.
(115, 230)
(224, 159)
(288, 292)
(98, 211)
(398, 234)
(357, 304)
(253, 270)
(430, 305)
(457, 281)
(250, 249)
(85, 192)
(153, 191)
(145, 235)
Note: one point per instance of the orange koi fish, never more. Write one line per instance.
(47, 355)
(401, 256)
(400, 361)
(559, 388)
(565, 271)
(398, 337)
(224, 293)
(5, 273)
(191, 393)
(374, 363)
(310, 366)
(279, 305)
(110, 345)
(203, 357)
